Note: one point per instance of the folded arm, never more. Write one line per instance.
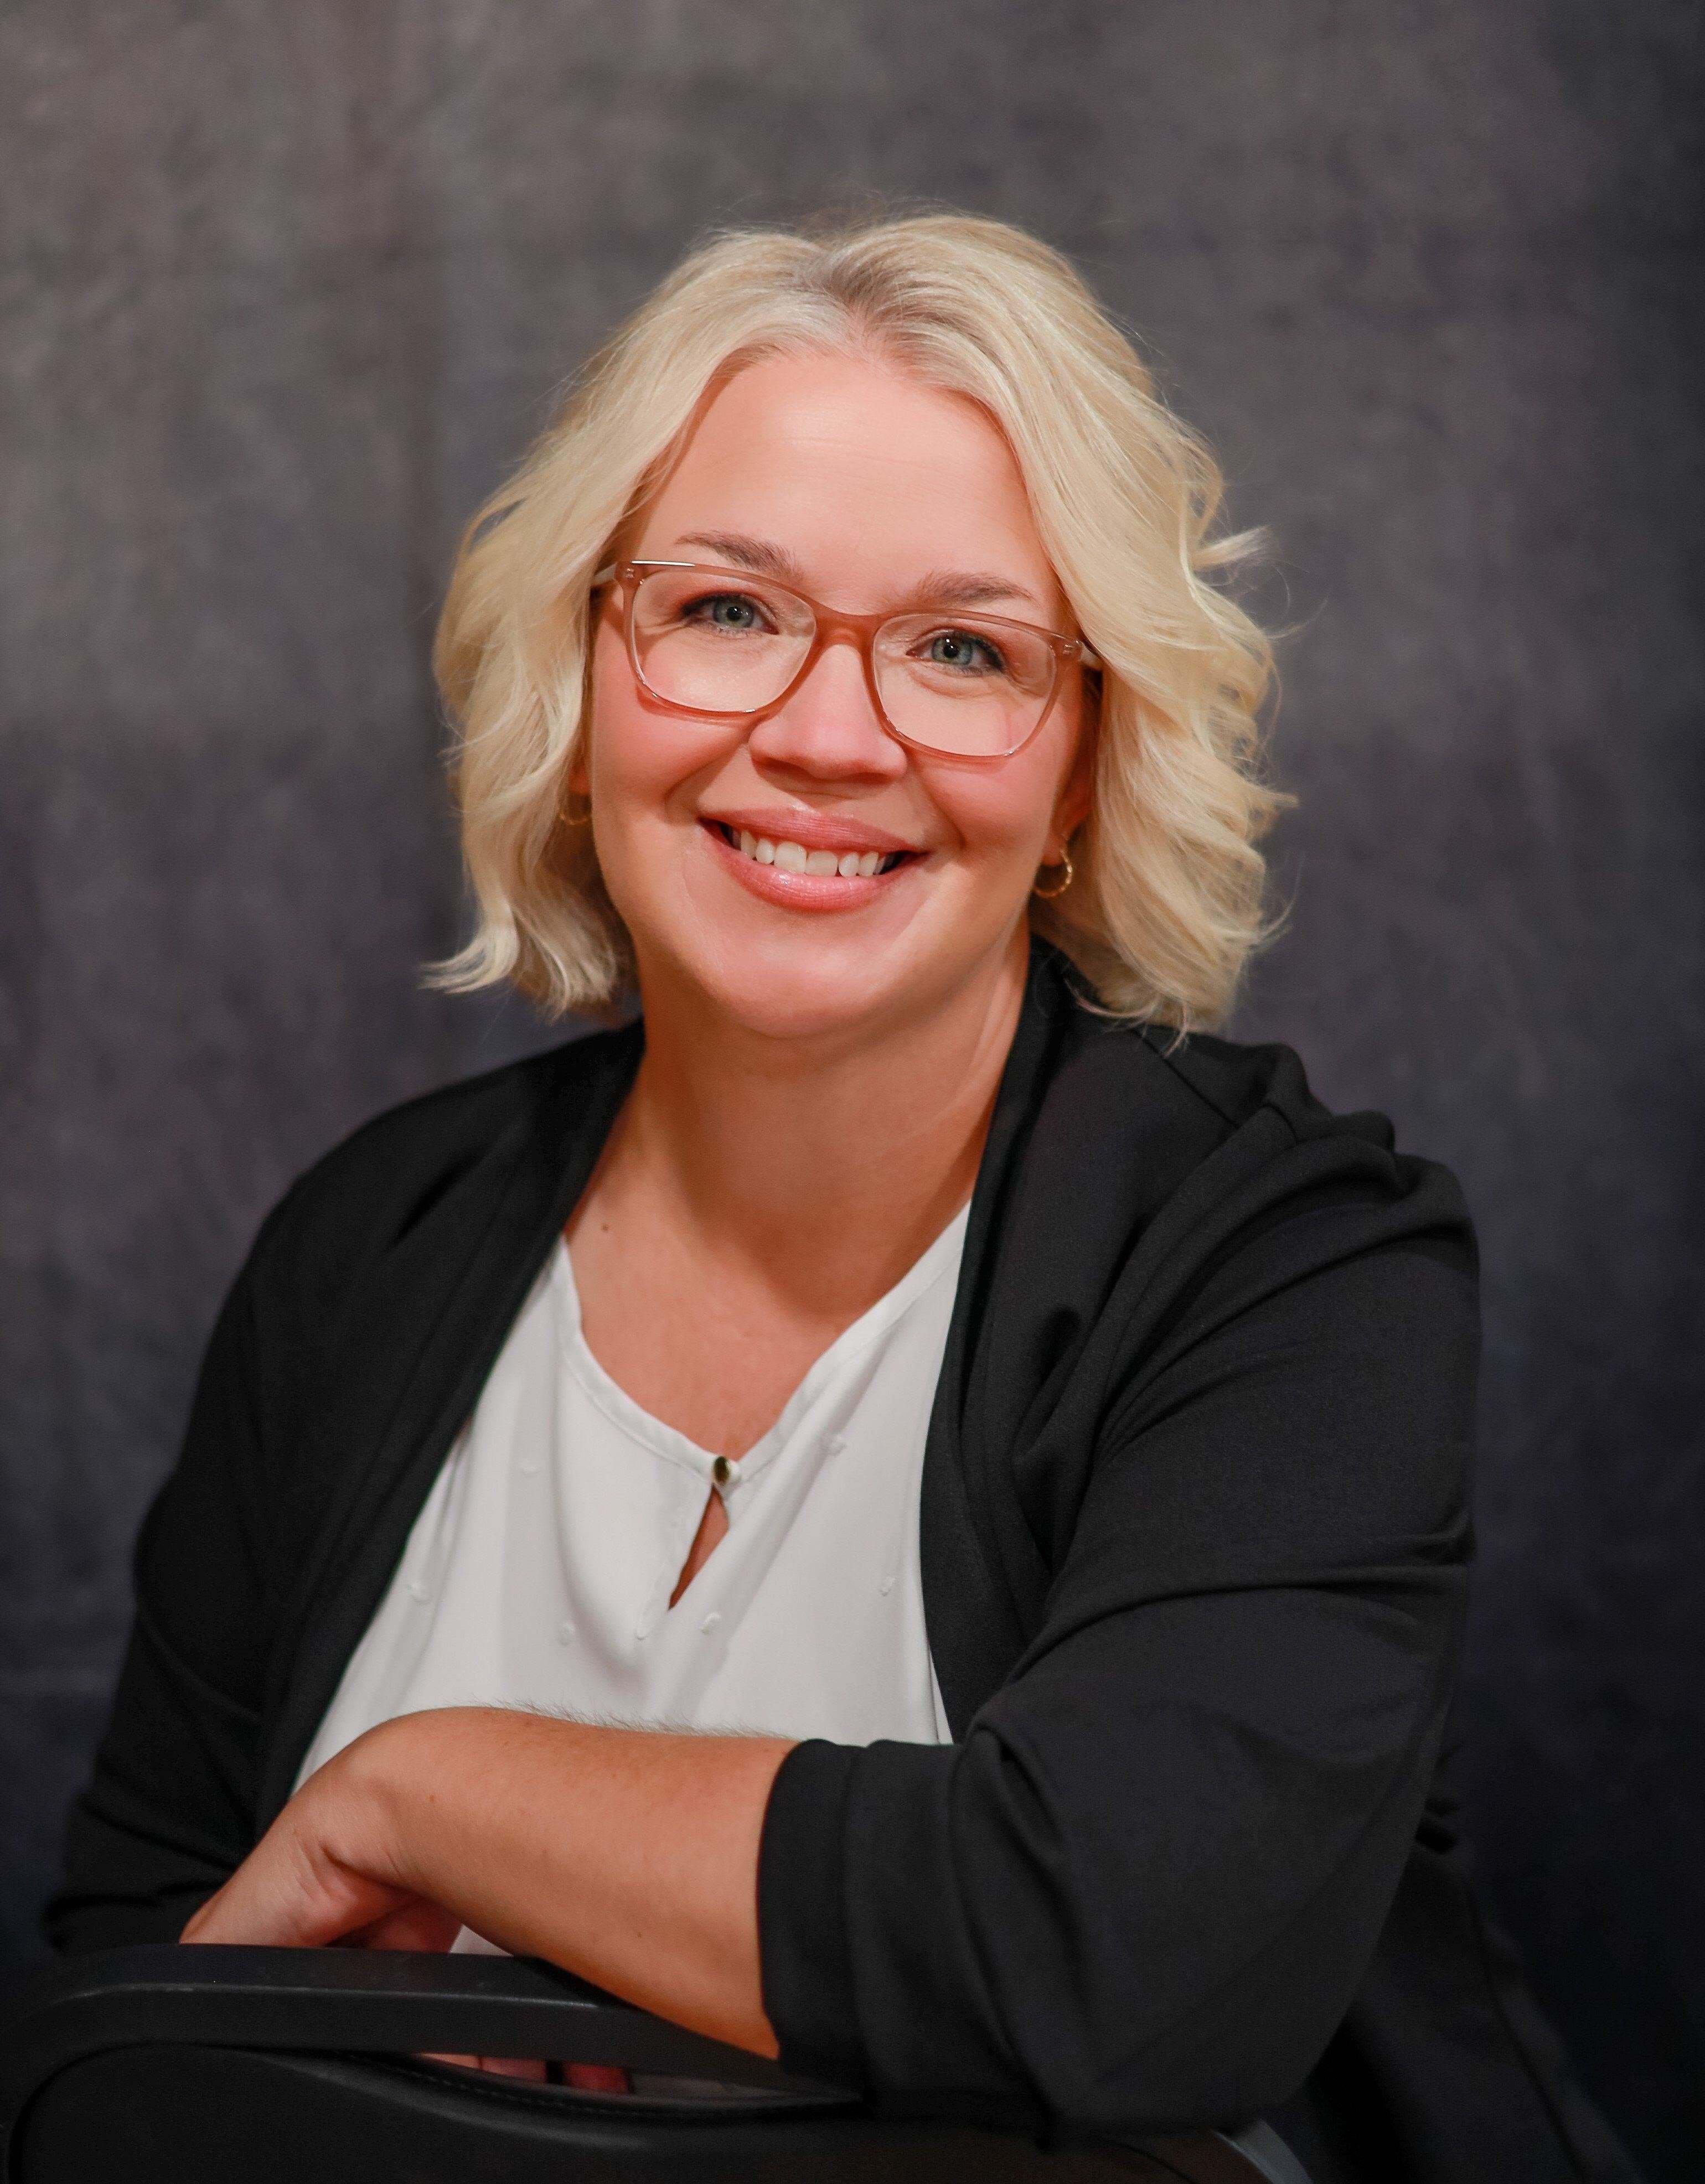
(627, 1855)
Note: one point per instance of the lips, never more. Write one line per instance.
(841, 872)
(812, 830)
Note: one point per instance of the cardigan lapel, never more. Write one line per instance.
(1054, 1226)
(977, 1626)
(408, 1371)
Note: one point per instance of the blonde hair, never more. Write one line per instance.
(1167, 907)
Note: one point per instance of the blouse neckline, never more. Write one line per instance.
(935, 1261)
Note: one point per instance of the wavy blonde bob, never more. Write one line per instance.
(1167, 907)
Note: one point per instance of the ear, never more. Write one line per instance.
(1076, 791)
(576, 780)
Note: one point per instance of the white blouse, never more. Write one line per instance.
(538, 1572)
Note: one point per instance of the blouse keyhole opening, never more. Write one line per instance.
(713, 1528)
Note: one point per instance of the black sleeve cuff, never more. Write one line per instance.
(805, 1965)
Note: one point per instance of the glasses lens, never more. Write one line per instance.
(718, 642)
(974, 685)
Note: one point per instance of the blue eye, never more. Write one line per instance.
(729, 610)
(959, 648)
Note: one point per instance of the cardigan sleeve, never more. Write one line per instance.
(1140, 1892)
(168, 1814)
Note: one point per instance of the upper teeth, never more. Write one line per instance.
(792, 857)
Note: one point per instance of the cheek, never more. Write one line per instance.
(635, 756)
(1002, 816)
(612, 743)
(644, 768)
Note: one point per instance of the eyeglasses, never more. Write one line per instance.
(726, 644)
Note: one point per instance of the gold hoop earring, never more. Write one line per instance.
(1052, 893)
(568, 818)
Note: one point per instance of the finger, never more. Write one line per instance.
(513, 2066)
(497, 2066)
(415, 1924)
(597, 2077)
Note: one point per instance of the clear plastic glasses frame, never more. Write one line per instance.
(830, 624)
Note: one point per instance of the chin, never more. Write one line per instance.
(805, 993)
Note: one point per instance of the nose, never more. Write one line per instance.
(829, 729)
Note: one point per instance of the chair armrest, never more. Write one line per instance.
(349, 2001)
(388, 2001)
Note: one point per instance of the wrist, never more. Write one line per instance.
(368, 1792)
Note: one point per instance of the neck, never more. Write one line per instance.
(824, 1166)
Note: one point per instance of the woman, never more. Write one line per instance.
(1023, 1435)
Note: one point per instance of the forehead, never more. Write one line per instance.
(865, 474)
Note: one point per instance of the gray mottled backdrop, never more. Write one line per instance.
(286, 288)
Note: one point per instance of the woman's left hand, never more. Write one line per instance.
(326, 1872)
(627, 1855)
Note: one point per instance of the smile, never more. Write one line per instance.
(793, 857)
(797, 876)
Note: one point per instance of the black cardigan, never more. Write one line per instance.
(1194, 1531)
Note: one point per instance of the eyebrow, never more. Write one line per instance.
(938, 587)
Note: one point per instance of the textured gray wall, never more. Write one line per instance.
(285, 288)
